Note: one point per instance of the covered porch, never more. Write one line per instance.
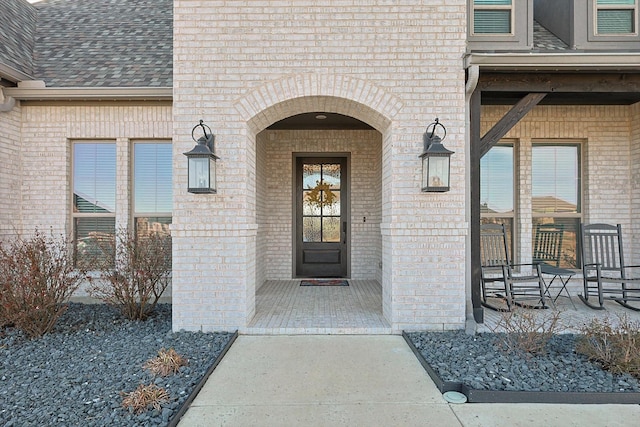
(285, 307)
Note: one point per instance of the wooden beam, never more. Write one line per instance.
(560, 82)
(509, 120)
(474, 239)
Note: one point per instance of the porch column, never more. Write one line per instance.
(213, 285)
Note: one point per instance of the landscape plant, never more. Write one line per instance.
(167, 362)
(614, 346)
(145, 397)
(37, 277)
(528, 331)
(134, 272)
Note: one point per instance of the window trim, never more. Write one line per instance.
(75, 215)
(579, 215)
(593, 22)
(135, 214)
(512, 16)
(513, 215)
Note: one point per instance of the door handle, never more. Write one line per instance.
(344, 232)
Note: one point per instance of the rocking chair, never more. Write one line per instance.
(516, 284)
(605, 276)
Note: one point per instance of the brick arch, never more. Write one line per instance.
(279, 99)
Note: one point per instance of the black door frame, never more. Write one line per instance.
(346, 214)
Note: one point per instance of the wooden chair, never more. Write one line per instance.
(605, 276)
(516, 284)
(547, 251)
(547, 244)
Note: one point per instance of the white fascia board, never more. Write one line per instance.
(627, 61)
(91, 94)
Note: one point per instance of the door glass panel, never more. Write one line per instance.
(331, 229)
(311, 229)
(311, 175)
(321, 200)
(331, 204)
(309, 204)
(331, 175)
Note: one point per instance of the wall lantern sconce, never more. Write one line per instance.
(436, 166)
(202, 162)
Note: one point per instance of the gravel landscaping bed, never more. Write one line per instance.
(74, 376)
(479, 362)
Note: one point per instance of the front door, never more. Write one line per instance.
(321, 217)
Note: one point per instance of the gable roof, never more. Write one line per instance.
(104, 43)
(17, 34)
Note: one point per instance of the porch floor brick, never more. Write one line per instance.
(285, 307)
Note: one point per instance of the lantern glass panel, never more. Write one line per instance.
(212, 174)
(438, 171)
(199, 172)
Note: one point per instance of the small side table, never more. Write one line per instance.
(562, 274)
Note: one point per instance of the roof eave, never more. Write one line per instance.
(91, 94)
(526, 61)
(11, 74)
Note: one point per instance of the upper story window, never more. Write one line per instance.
(492, 17)
(616, 17)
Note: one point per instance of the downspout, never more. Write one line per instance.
(473, 75)
(8, 102)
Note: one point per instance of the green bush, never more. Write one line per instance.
(134, 272)
(37, 277)
(616, 347)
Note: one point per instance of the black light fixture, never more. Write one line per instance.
(436, 166)
(202, 162)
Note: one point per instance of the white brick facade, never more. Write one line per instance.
(242, 66)
(10, 172)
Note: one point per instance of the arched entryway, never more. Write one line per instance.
(311, 137)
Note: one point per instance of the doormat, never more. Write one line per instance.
(324, 282)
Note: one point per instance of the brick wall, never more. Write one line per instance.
(48, 131)
(10, 173)
(635, 184)
(242, 66)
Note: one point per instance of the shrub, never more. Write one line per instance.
(134, 272)
(528, 331)
(144, 398)
(166, 363)
(615, 347)
(37, 277)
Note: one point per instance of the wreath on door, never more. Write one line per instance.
(321, 195)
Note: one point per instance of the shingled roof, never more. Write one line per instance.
(104, 43)
(17, 33)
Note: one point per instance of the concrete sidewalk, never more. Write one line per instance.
(369, 380)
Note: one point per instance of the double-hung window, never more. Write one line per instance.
(497, 188)
(94, 197)
(152, 192)
(616, 17)
(492, 17)
(556, 194)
